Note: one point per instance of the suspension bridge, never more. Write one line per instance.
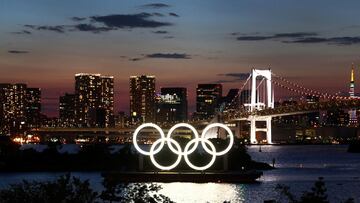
(255, 103)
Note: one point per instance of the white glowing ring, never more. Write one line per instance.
(152, 158)
(185, 125)
(162, 135)
(213, 153)
(203, 138)
(204, 141)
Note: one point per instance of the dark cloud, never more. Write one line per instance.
(233, 77)
(174, 15)
(135, 59)
(253, 38)
(236, 76)
(308, 40)
(169, 56)
(155, 5)
(91, 28)
(294, 35)
(345, 40)
(78, 19)
(169, 37)
(18, 52)
(161, 32)
(158, 14)
(243, 34)
(332, 40)
(56, 28)
(275, 36)
(302, 37)
(105, 23)
(22, 32)
(140, 20)
(223, 81)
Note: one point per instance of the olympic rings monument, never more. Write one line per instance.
(198, 174)
(188, 149)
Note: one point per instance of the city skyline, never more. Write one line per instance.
(55, 111)
(176, 41)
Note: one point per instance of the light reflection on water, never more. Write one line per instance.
(202, 192)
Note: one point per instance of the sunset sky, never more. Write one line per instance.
(45, 42)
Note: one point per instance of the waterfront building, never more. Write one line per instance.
(67, 110)
(142, 98)
(13, 108)
(33, 107)
(208, 98)
(94, 100)
(171, 105)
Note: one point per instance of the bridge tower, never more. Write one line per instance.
(256, 104)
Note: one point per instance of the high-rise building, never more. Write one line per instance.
(107, 103)
(12, 108)
(142, 98)
(33, 107)
(67, 110)
(94, 103)
(208, 97)
(352, 112)
(171, 105)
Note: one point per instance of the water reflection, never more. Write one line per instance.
(204, 192)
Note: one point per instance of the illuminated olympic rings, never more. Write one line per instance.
(157, 146)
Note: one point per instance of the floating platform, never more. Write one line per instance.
(194, 177)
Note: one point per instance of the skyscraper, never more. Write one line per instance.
(13, 108)
(107, 102)
(208, 97)
(171, 105)
(33, 107)
(67, 110)
(352, 112)
(94, 103)
(142, 98)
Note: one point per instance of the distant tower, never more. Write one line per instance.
(352, 112)
(352, 83)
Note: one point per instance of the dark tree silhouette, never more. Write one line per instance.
(317, 194)
(64, 189)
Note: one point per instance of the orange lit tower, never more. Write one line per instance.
(352, 112)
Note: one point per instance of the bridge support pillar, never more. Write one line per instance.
(253, 131)
(268, 130)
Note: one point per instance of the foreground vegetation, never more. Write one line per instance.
(317, 194)
(67, 189)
